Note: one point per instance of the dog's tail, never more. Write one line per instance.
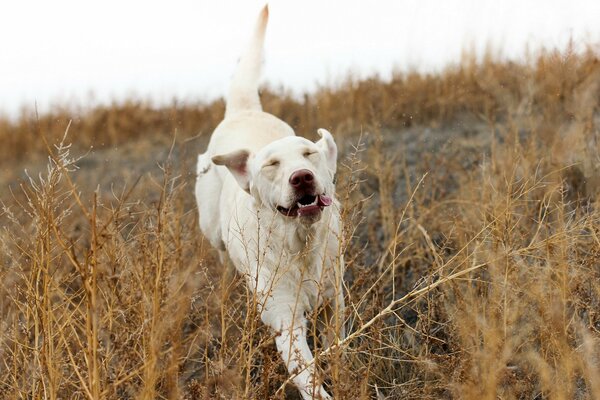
(243, 93)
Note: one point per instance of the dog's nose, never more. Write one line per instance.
(302, 179)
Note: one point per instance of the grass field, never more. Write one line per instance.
(472, 242)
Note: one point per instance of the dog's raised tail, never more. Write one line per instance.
(243, 93)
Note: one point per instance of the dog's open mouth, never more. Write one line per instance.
(307, 205)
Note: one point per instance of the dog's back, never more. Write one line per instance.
(245, 126)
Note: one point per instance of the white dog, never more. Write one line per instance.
(266, 198)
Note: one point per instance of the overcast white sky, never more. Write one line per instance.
(82, 52)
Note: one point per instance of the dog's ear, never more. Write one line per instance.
(237, 163)
(329, 148)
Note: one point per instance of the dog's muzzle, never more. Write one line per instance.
(307, 203)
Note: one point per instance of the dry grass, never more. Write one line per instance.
(472, 242)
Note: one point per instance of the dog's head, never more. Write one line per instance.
(292, 175)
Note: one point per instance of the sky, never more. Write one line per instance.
(74, 52)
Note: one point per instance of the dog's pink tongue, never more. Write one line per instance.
(325, 200)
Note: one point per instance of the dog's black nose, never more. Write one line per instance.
(302, 179)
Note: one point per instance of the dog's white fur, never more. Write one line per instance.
(292, 264)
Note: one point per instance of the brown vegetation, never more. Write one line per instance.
(472, 239)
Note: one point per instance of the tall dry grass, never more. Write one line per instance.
(473, 261)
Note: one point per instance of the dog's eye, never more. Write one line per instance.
(272, 163)
(309, 153)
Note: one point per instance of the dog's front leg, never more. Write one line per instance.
(291, 344)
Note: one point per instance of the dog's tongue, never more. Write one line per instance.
(324, 200)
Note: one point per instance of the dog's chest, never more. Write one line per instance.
(302, 275)
(283, 257)
(294, 262)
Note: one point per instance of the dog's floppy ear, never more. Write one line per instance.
(237, 163)
(329, 148)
